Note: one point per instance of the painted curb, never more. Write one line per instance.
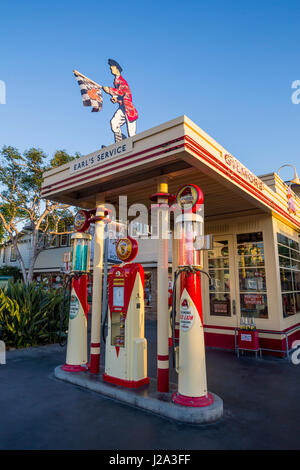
(145, 398)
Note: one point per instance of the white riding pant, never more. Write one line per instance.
(117, 121)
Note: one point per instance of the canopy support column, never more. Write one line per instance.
(162, 288)
(97, 286)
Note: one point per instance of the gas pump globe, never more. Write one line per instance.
(190, 226)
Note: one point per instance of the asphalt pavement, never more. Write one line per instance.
(261, 407)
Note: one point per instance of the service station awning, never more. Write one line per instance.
(182, 151)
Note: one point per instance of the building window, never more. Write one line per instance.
(52, 241)
(289, 263)
(64, 240)
(252, 275)
(13, 256)
(219, 291)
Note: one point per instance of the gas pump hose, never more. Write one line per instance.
(191, 269)
(104, 322)
(69, 281)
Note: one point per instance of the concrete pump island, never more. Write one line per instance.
(226, 239)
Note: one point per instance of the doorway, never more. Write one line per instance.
(223, 288)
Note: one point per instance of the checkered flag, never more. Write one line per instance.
(90, 92)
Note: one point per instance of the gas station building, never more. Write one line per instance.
(254, 261)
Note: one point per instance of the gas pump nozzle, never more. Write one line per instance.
(193, 269)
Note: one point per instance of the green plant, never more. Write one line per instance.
(29, 315)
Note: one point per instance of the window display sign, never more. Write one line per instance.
(253, 299)
(245, 337)
(186, 320)
(220, 308)
(118, 296)
(74, 307)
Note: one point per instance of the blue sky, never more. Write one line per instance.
(228, 65)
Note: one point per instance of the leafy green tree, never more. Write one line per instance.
(2, 233)
(21, 177)
(61, 157)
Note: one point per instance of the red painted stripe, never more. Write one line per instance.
(219, 340)
(73, 368)
(117, 167)
(94, 366)
(80, 287)
(191, 282)
(195, 402)
(163, 380)
(195, 147)
(224, 341)
(291, 327)
(125, 383)
(129, 156)
(220, 327)
(242, 182)
(95, 345)
(161, 357)
(76, 178)
(293, 337)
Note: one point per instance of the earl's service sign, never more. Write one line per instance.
(97, 159)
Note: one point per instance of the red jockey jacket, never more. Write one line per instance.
(123, 93)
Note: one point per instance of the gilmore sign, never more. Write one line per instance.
(96, 159)
(237, 167)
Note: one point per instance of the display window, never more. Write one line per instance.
(220, 269)
(289, 265)
(236, 265)
(252, 275)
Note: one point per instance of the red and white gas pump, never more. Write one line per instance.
(76, 359)
(79, 268)
(126, 346)
(190, 354)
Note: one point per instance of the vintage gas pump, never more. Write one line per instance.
(126, 346)
(190, 354)
(76, 359)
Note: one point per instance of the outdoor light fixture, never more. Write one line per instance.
(294, 184)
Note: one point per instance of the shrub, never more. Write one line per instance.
(29, 315)
(11, 271)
